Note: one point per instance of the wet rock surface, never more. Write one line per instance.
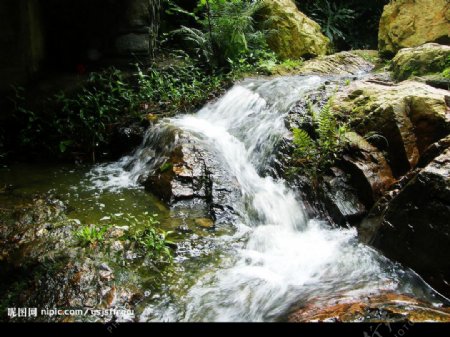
(192, 178)
(402, 120)
(343, 63)
(413, 227)
(389, 307)
(44, 265)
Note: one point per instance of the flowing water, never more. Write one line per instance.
(275, 257)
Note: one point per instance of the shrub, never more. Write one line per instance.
(227, 32)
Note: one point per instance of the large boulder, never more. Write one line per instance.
(294, 35)
(343, 63)
(410, 23)
(190, 178)
(402, 120)
(414, 228)
(430, 58)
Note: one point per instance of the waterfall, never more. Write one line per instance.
(287, 258)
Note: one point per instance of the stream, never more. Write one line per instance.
(272, 257)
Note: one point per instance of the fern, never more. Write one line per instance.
(200, 41)
(303, 142)
(326, 122)
(227, 31)
(320, 153)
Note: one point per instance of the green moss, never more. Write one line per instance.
(165, 167)
(446, 73)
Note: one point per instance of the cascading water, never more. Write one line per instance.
(287, 258)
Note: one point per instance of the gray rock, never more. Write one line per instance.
(133, 43)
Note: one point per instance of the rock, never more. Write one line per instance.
(341, 199)
(436, 80)
(413, 228)
(430, 58)
(137, 14)
(388, 307)
(105, 272)
(116, 231)
(133, 43)
(204, 222)
(411, 23)
(343, 63)
(126, 138)
(295, 35)
(183, 176)
(433, 151)
(31, 235)
(192, 179)
(367, 167)
(402, 120)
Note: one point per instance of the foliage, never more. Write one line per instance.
(338, 19)
(81, 123)
(227, 32)
(177, 88)
(332, 17)
(151, 241)
(92, 234)
(165, 167)
(316, 153)
(446, 73)
(98, 106)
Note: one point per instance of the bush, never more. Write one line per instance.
(226, 32)
(338, 19)
(81, 124)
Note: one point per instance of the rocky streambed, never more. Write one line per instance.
(243, 227)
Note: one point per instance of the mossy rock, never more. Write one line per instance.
(292, 34)
(430, 58)
(411, 23)
(406, 118)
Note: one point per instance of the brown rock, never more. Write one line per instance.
(385, 307)
(366, 163)
(402, 120)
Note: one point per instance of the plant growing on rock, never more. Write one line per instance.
(317, 152)
(90, 235)
(149, 240)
